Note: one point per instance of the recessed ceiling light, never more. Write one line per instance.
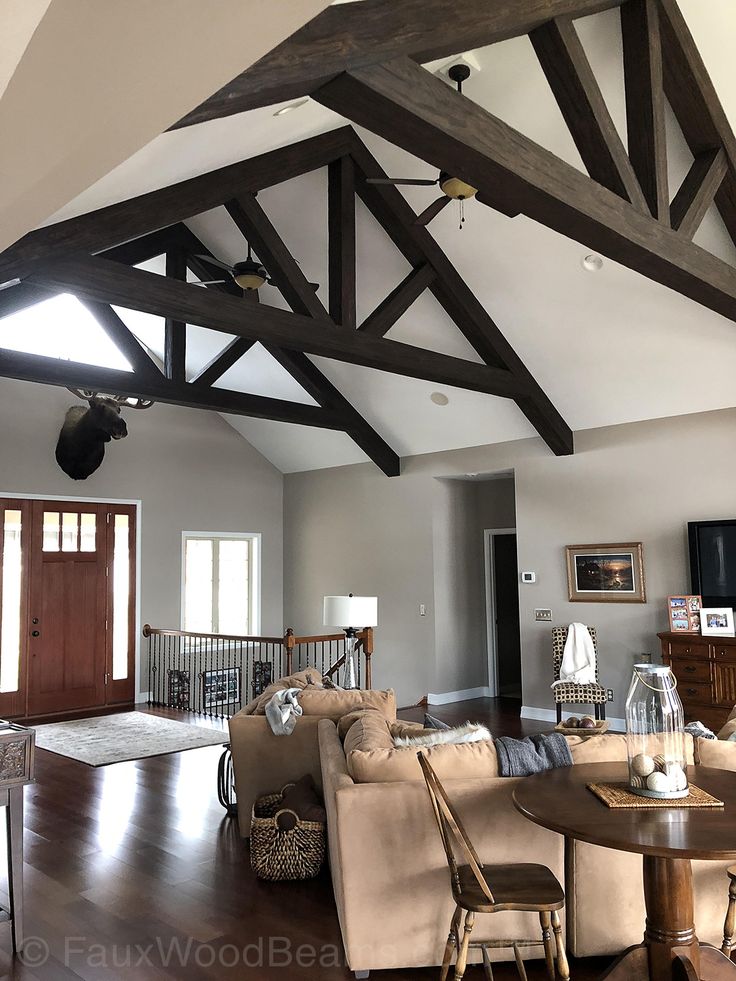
(592, 262)
(292, 106)
(439, 398)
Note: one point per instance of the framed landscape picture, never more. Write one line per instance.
(606, 573)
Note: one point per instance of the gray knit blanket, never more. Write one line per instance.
(521, 757)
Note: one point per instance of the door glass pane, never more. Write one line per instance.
(120, 595)
(198, 586)
(11, 602)
(51, 531)
(87, 536)
(232, 594)
(69, 531)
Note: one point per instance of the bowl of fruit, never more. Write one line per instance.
(583, 726)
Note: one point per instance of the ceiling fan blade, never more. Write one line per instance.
(208, 282)
(215, 262)
(412, 181)
(272, 282)
(433, 210)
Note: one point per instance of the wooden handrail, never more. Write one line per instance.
(149, 631)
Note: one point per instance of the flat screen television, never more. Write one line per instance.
(713, 561)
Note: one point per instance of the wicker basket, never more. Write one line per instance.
(600, 727)
(284, 853)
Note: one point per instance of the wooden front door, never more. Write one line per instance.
(72, 572)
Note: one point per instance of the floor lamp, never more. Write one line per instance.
(342, 610)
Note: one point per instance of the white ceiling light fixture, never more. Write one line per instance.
(439, 398)
(592, 262)
(291, 107)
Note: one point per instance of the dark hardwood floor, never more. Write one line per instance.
(134, 872)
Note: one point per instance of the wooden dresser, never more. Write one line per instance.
(705, 668)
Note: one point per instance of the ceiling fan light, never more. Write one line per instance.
(249, 280)
(453, 187)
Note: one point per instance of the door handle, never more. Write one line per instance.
(35, 633)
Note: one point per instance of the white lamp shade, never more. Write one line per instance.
(350, 611)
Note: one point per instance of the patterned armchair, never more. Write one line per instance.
(569, 693)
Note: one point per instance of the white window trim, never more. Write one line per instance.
(254, 573)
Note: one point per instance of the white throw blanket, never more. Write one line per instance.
(578, 658)
(283, 710)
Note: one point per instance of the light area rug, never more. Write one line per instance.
(127, 736)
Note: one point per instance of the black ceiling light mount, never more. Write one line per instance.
(453, 188)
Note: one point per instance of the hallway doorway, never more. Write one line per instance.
(502, 612)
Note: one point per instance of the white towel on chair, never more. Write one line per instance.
(578, 658)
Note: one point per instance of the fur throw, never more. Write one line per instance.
(471, 732)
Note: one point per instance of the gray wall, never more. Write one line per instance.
(351, 528)
(191, 471)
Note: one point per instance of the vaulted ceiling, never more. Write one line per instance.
(606, 347)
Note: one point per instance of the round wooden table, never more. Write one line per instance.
(668, 838)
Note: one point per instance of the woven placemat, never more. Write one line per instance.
(618, 795)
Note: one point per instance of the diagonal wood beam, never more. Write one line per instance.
(391, 210)
(698, 190)
(175, 331)
(695, 103)
(255, 225)
(17, 298)
(146, 247)
(645, 118)
(388, 311)
(223, 361)
(110, 282)
(123, 339)
(69, 374)
(350, 35)
(341, 241)
(581, 103)
(406, 105)
(119, 223)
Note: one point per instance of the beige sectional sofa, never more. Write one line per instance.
(389, 870)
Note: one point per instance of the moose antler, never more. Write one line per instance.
(124, 401)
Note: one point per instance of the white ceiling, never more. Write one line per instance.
(607, 348)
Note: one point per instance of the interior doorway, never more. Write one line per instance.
(67, 606)
(502, 612)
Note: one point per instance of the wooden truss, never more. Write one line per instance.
(92, 256)
(363, 60)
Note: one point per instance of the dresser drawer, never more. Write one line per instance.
(713, 718)
(687, 669)
(723, 652)
(687, 648)
(692, 693)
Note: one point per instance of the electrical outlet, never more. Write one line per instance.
(609, 694)
(545, 615)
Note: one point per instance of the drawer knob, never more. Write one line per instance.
(692, 691)
(691, 668)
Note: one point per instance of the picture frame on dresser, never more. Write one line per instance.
(716, 621)
(684, 613)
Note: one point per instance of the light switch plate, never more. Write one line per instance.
(545, 615)
(422, 610)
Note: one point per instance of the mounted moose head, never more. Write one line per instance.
(81, 445)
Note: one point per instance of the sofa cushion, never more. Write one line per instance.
(728, 730)
(451, 761)
(349, 718)
(370, 731)
(402, 727)
(610, 748)
(718, 753)
(335, 703)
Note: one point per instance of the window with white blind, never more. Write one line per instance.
(220, 576)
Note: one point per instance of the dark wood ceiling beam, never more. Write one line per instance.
(341, 241)
(390, 208)
(110, 282)
(349, 35)
(144, 248)
(175, 331)
(119, 223)
(583, 108)
(255, 225)
(388, 311)
(645, 107)
(698, 190)
(223, 361)
(695, 103)
(69, 374)
(123, 339)
(406, 105)
(13, 299)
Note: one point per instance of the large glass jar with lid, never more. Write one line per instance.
(655, 734)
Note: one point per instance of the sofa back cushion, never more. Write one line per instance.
(609, 748)
(333, 703)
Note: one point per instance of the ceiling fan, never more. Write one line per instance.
(453, 189)
(248, 275)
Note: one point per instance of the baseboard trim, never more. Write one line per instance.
(445, 697)
(142, 696)
(550, 715)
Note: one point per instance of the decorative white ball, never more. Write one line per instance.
(676, 776)
(659, 782)
(642, 765)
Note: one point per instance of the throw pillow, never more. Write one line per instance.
(430, 722)
(471, 732)
(347, 720)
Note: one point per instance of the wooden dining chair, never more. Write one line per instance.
(491, 889)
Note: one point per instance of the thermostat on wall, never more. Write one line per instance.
(528, 577)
